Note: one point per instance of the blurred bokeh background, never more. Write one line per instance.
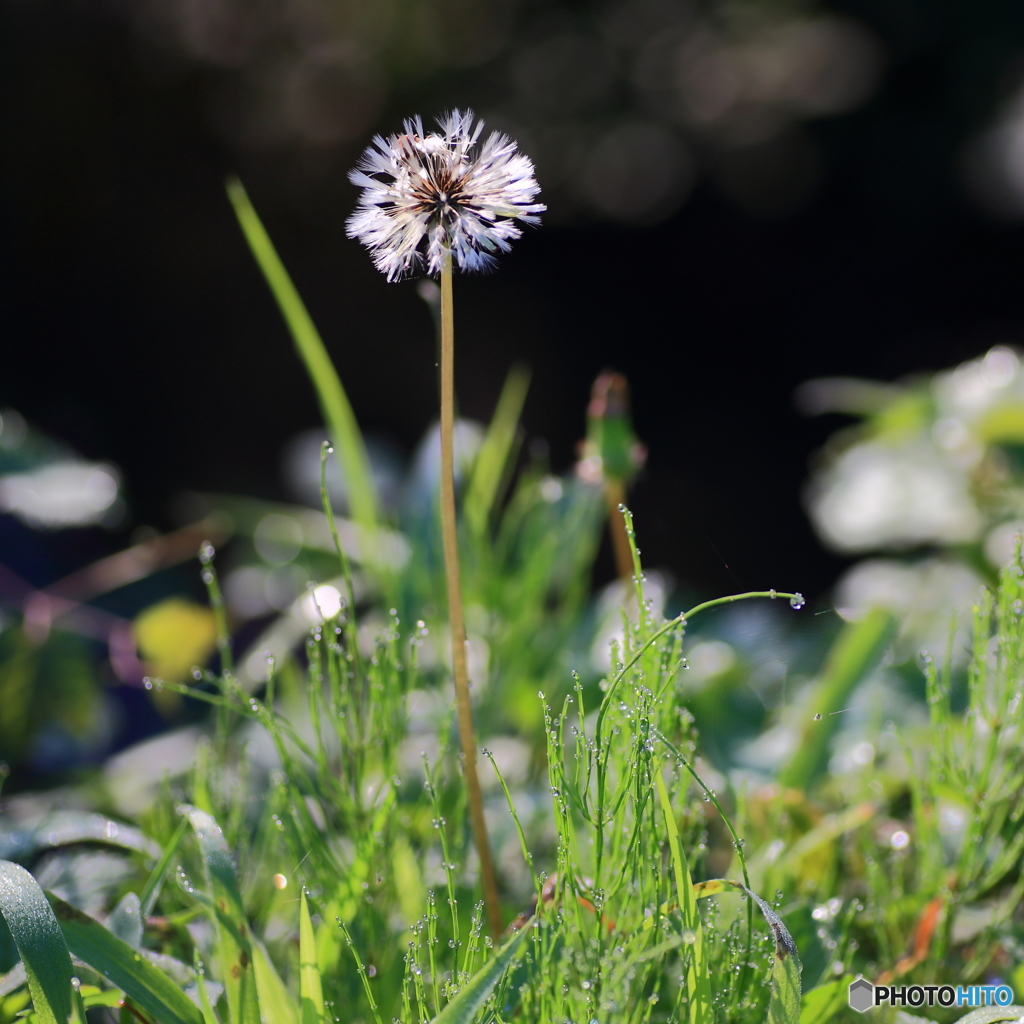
(742, 196)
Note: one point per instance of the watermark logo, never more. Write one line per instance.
(864, 996)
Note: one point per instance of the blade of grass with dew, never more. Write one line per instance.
(465, 1006)
(491, 462)
(276, 1005)
(310, 987)
(143, 982)
(348, 440)
(151, 890)
(856, 651)
(234, 951)
(698, 986)
(205, 1006)
(784, 1006)
(40, 942)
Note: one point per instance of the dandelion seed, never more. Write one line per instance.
(430, 197)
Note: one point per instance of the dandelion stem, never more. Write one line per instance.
(467, 736)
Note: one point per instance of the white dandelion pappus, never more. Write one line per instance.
(430, 197)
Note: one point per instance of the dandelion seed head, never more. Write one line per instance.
(428, 197)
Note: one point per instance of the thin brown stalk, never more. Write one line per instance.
(467, 735)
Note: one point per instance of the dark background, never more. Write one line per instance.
(135, 326)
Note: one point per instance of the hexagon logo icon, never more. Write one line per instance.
(862, 995)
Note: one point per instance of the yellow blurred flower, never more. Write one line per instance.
(173, 636)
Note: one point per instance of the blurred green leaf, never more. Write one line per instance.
(125, 920)
(855, 653)
(62, 828)
(491, 463)
(821, 1004)
(276, 1005)
(345, 433)
(310, 989)
(234, 950)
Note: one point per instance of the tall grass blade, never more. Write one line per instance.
(147, 900)
(205, 1006)
(465, 1006)
(698, 984)
(310, 988)
(40, 943)
(234, 949)
(856, 651)
(276, 1005)
(341, 421)
(144, 983)
(784, 1006)
(491, 463)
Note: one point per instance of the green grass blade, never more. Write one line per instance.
(856, 651)
(209, 1014)
(784, 1006)
(698, 984)
(341, 421)
(490, 466)
(157, 876)
(276, 1005)
(234, 950)
(40, 943)
(310, 988)
(464, 1007)
(143, 982)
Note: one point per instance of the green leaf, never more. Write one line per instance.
(310, 990)
(143, 982)
(276, 1005)
(990, 1014)
(40, 943)
(234, 950)
(348, 441)
(821, 1004)
(855, 653)
(698, 983)
(125, 920)
(463, 1008)
(491, 462)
